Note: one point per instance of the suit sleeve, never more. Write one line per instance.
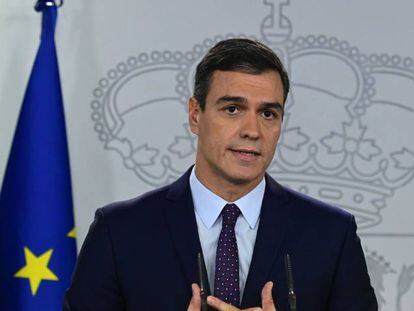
(95, 284)
(352, 290)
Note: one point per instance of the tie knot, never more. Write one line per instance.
(230, 213)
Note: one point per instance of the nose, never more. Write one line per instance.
(250, 127)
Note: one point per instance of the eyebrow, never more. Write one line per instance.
(241, 100)
(275, 105)
(231, 99)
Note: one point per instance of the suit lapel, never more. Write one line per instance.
(274, 224)
(182, 225)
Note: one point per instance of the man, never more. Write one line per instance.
(142, 254)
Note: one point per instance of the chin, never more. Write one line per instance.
(241, 178)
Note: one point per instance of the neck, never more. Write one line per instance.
(224, 187)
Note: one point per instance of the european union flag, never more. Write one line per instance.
(37, 239)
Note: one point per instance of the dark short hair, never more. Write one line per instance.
(237, 54)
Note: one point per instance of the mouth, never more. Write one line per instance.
(247, 151)
(248, 155)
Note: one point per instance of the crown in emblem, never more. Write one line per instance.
(334, 145)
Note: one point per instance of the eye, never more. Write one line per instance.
(268, 114)
(231, 109)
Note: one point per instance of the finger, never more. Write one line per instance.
(195, 302)
(267, 298)
(220, 305)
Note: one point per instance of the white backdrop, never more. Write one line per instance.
(127, 67)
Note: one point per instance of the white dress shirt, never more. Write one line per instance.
(208, 207)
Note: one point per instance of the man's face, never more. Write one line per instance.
(240, 126)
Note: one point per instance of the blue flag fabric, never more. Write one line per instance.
(37, 241)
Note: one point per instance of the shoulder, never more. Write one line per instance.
(146, 209)
(308, 212)
(308, 205)
(141, 202)
(142, 208)
(318, 216)
(303, 206)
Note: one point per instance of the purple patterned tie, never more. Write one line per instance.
(226, 281)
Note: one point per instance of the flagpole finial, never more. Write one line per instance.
(42, 4)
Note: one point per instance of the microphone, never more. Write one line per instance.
(202, 280)
(289, 277)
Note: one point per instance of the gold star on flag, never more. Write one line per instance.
(72, 233)
(36, 269)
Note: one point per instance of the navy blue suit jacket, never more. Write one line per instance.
(142, 254)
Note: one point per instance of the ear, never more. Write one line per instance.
(194, 111)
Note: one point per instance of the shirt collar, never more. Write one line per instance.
(208, 205)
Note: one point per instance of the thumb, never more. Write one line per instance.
(195, 303)
(267, 298)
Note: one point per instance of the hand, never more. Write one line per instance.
(267, 302)
(195, 302)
